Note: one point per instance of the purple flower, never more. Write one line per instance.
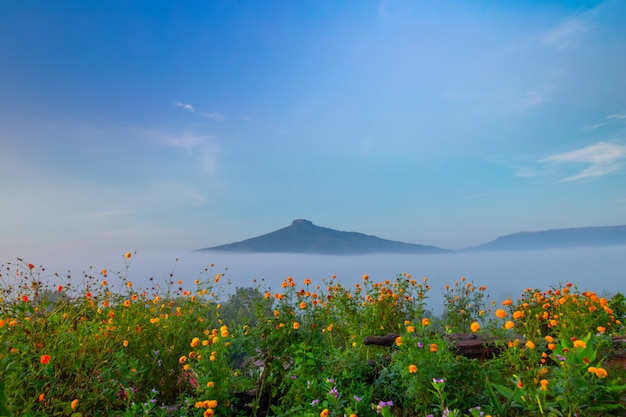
(358, 399)
(420, 345)
(334, 392)
(315, 401)
(294, 377)
(561, 358)
(438, 381)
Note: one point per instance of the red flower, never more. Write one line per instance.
(60, 288)
(31, 266)
(25, 298)
(45, 359)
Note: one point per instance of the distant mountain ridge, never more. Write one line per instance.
(557, 238)
(302, 236)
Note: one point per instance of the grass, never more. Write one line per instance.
(99, 346)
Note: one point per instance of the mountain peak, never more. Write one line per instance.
(302, 236)
(297, 222)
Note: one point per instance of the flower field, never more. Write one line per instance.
(97, 345)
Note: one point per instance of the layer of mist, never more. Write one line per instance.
(505, 274)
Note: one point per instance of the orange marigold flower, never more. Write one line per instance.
(509, 324)
(307, 281)
(104, 271)
(580, 344)
(410, 329)
(210, 384)
(500, 313)
(601, 373)
(475, 326)
(601, 329)
(208, 413)
(125, 343)
(74, 404)
(399, 341)
(518, 314)
(507, 302)
(325, 413)
(433, 347)
(520, 384)
(296, 325)
(128, 255)
(530, 344)
(549, 339)
(41, 397)
(302, 305)
(425, 321)
(126, 303)
(412, 369)
(44, 359)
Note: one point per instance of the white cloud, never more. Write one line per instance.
(209, 115)
(566, 35)
(602, 158)
(184, 106)
(618, 116)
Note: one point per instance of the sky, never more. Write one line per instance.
(181, 125)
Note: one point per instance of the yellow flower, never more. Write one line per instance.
(412, 369)
(475, 327)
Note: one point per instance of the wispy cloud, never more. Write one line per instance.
(617, 116)
(187, 107)
(612, 118)
(209, 115)
(566, 35)
(601, 159)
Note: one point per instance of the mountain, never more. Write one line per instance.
(302, 236)
(558, 238)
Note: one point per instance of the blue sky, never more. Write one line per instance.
(180, 125)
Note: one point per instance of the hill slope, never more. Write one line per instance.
(302, 236)
(558, 238)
